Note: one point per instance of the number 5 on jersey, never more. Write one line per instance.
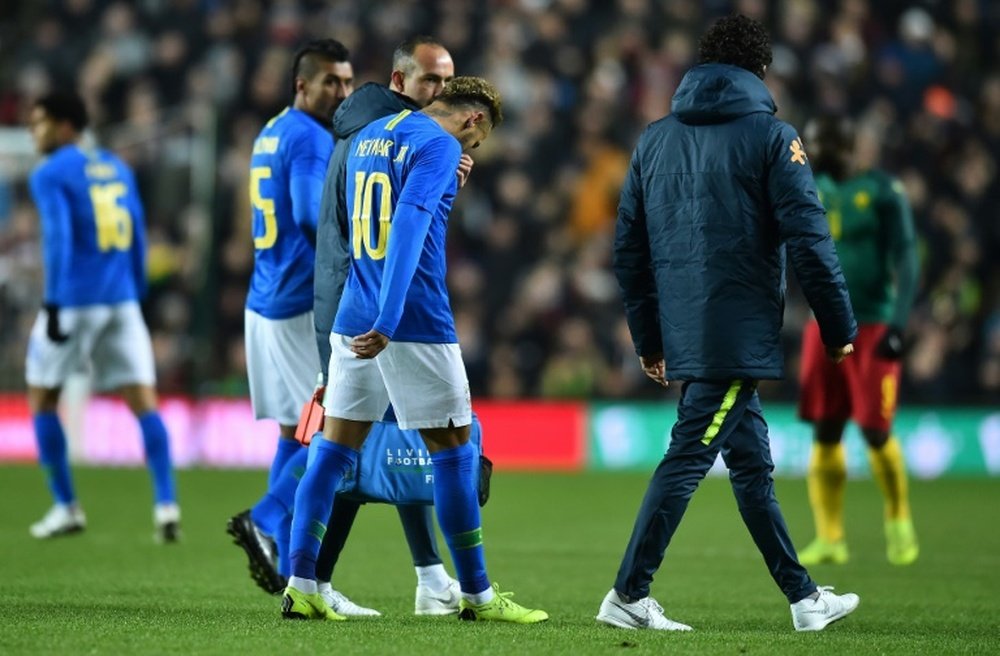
(265, 206)
(361, 217)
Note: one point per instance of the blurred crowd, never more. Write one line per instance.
(181, 87)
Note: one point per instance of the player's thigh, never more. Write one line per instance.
(282, 362)
(123, 351)
(427, 384)
(48, 364)
(824, 392)
(355, 389)
(874, 381)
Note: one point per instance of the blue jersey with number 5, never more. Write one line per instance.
(93, 239)
(402, 159)
(287, 171)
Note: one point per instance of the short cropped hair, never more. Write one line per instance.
(307, 58)
(473, 91)
(739, 41)
(65, 106)
(402, 56)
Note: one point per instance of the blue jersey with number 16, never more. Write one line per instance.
(93, 239)
(401, 173)
(287, 171)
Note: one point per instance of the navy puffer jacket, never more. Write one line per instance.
(716, 194)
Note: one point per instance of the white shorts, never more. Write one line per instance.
(426, 384)
(110, 341)
(282, 364)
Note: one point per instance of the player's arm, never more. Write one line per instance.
(902, 251)
(56, 219)
(633, 268)
(306, 177)
(139, 246)
(803, 228)
(432, 173)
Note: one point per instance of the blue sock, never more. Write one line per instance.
(279, 501)
(282, 540)
(52, 456)
(314, 502)
(287, 448)
(457, 506)
(154, 438)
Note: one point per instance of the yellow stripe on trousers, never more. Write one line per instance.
(728, 401)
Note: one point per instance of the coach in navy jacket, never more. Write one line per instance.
(718, 192)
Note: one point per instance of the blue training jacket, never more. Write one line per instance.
(716, 194)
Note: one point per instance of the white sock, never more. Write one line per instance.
(307, 586)
(434, 577)
(480, 598)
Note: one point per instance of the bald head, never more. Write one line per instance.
(421, 67)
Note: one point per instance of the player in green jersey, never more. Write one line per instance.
(872, 225)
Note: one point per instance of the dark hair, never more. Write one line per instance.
(402, 56)
(739, 41)
(473, 91)
(65, 106)
(830, 140)
(305, 62)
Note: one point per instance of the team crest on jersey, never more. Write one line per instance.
(798, 152)
(862, 200)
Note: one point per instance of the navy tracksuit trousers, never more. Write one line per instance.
(712, 417)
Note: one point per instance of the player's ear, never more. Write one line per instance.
(474, 119)
(396, 81)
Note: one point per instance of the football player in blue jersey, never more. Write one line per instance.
(401, 183)
(287, 169)
(94, 251)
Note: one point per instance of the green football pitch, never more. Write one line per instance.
(554, 539)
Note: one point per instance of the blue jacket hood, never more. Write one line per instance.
(369, 103)
(719, 93)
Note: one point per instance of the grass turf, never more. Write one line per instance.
(555, 539)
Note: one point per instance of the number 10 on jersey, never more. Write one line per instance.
(361, 217)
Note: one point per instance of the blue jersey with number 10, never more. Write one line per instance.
(287, 171)
(399, 165)
(93, 239)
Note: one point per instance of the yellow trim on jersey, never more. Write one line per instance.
(399, 117)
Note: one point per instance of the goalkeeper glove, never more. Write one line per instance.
(52, 326)
(890, 347)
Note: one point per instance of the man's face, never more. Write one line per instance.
(323, 92)
(432, 70)
(44, 131)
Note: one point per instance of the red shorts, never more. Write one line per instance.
(863, 387)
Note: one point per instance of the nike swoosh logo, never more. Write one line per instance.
(821, 611)
(639, 619)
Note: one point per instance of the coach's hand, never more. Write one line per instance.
(464, 169)
(838, 353)
(654, 367)
(890, 347)
(52, 325)
(369, 345)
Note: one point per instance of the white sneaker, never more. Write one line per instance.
(341, 605)
(166, 522)
(815, 614)
(642, 614)
(61, 519)
(443, 602)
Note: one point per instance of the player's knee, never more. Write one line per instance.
(43, 399)
(876, 438)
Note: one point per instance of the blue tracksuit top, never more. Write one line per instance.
(716, 194)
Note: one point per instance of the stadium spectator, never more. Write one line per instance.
(556, 61)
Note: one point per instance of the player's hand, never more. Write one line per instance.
(838, 353)
(369, 345)
(52, 329)
(890, 347)
(464, 169)
(654, 367)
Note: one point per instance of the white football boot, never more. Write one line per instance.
(443, 602)
(814, 614)
(61, 519)
(645, 613)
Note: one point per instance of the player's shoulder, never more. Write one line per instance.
(58, 165)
